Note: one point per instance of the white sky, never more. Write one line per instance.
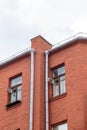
(55, 20)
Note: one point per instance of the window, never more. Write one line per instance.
(15, 89)
(61, 127)
(59, 86)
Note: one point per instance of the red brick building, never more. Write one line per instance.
(45, 87)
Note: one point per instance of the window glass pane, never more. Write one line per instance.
(16, 81)
(55, 128)
(19, 95)
(55, 73)
(13, 97)
(19, 87)
(19, 92)
(62, 87)
(61, 70)
(63, 127)
(58, 71)
(55, 89)
(62, 78)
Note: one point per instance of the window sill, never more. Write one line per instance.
(57, 97)
(13, 104)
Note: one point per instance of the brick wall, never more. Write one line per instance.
(72, 106)
(16, 116)
(40, 46)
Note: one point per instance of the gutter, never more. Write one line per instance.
(46, 90)
(68, 41)
(15, 57)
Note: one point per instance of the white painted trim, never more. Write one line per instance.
(46, 90)
(68, 41)
(16, 56)
(31, 90)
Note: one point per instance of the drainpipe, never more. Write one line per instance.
(46, 91)
(31, 90)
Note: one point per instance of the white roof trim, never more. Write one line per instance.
(55, 47)
(16, 56)
(68, 41)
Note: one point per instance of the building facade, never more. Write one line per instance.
(44, 87)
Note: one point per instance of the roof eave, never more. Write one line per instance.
(16, 56)
(69, 41)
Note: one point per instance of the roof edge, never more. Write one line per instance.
(68, 41)
(16, 56)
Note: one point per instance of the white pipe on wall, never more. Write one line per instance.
(46, 91)
(31, 90)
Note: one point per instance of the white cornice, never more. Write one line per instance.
(68, 41)
(16, 56)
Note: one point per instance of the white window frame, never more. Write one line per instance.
(58, 74)
(61, 125)
(16, 88)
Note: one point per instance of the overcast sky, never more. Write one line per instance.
(55, 20)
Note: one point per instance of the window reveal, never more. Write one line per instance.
(16, 88)
(61, 127)
(59, 86)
